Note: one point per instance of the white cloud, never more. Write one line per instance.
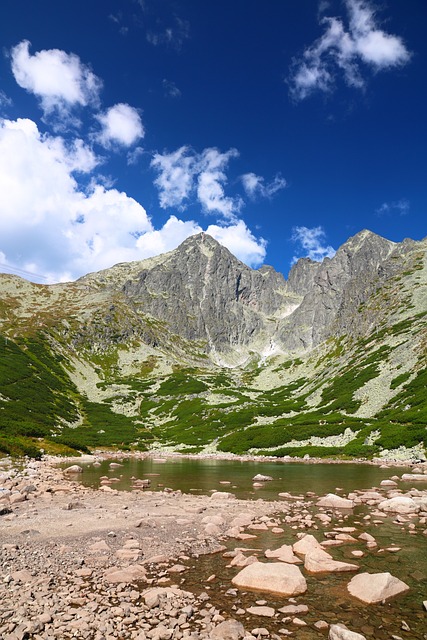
(255, 185)
(176, 174)
(211, 180)
(47, 223)
(344, 50)
(50, 225)
(184, 173)
(121, 124)
(312, 242)
(401, 207)
(59, 79)
(240, 241)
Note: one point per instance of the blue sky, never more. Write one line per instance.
(281, 127)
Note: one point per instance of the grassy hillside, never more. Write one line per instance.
(82, 368)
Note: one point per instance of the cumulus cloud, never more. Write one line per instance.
(176, 175)
(121, 125)
(312, 243)
(255, 186)
(211, 180)
(346, 51)
(240, 241)
(51, 225)
(184, 173)
(58, 79)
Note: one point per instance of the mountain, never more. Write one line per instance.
(194, 350)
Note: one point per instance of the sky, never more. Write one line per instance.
(280, 127)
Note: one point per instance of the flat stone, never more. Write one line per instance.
(321, 562)
(133, 573)
(335, 502)
(267, 612)
(375, 587)
(340, 632)
(274, 577)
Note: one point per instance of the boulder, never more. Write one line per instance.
(284, 554)
(222, 495)
(275, 577)
(375, 587)
(416, 477)
(73, 469)
(228, 630)
(333, 501)
(321, 562)
(340, 632)
(305, 544)
(261, 478)
(133, 573)
(399, 504)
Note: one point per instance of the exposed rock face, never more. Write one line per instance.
(200, 291)
(205, 293)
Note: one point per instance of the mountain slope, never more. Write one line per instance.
(194, 350)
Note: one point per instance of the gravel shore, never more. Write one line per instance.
(102, 564)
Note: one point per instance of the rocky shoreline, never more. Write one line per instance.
(102, 564)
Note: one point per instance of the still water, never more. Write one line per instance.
(327, 596)
(201, 476)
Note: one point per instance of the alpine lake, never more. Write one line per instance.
(401, 546)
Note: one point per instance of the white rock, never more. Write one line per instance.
(267, 612)
(335, 502)
(375, 587)
(399, 504)
(321, 562)
(274, 577)
(305, 544)
(340, 632)
(73, 469)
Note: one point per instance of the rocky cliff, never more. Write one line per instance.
(194, 349)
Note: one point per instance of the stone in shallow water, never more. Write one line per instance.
(399, 504)
(267, 612)
(340, 632)
(375, 587)
(335, 502)
(321, 562)
(272, 577)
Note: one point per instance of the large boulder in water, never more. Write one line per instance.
(272, 577)
(375, 587)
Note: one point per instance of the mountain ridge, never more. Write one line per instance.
(165, 349)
